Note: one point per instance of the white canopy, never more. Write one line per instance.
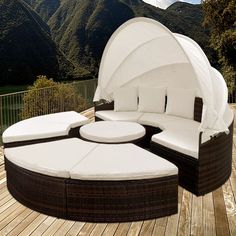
(143, 51)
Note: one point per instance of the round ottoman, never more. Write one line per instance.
(113, 132)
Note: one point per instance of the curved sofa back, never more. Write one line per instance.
(198, 105)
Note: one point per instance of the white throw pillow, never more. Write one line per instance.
(152, 99)
(180, 102)
(126, 99)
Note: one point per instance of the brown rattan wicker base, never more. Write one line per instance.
(207, 173)
(94, 201)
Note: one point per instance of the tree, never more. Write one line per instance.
(220, 16)
(47, 96)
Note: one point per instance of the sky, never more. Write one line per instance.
(165, 3)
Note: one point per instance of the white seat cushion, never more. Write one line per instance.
(121, 162)
(152, 99)
(183, 141)
(119, 115)
(112, 131)
(46, 126)
(164, 122)
(52, 158)
(178, 133)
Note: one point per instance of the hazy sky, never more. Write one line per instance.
(165, 3)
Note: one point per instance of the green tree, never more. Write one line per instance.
(47, 96)
(220, 16)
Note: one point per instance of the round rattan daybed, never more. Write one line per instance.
(79, 180)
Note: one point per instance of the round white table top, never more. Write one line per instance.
(112, 131)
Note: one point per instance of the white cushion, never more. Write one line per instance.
(180, 102)
(164, 122)
(121, 162)
(126, 99)
(112, 131)
(46, 126)
(119, 115)
(52, 158)
(183, 141)
(152, 99)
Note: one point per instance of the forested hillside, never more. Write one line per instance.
(80, 30)
(26, 47)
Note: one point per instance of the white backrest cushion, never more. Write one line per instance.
(152, 99)
(126, 99)
(180, 102)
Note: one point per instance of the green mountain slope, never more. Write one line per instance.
(45, 8)
(26, 48)
(82, 28)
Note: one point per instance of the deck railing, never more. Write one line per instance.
(17, 106)
(13, 107)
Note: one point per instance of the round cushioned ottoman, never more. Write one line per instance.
(113, 132)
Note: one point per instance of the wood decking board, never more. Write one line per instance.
(212, 215)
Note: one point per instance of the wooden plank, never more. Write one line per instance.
(74, 230)
(44, 226)
(185, 214)
(230, 206)
(4, 193)
(98, 229)
(11, 216)
(2, 185)
(208, 215)
(197, 216)
(135, 228)
(14, 223)
(4, 189)
(160, 226)
(64, 228)
(110, 229)
(122, 229)
(172, 222)
(222, 226)
(33, 225)
(24, 224)
(7, 204)
(3, 182)
(9, 210)
(5, 199)
(3, 175)
(52, 229)
(147, 227)
(86, 229)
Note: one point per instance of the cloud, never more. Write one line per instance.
(166, 3)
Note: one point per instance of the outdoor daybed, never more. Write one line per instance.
(79, 180)
(165, 82)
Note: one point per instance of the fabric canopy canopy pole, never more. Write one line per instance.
(142, 51)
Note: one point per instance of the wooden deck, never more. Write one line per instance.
(212, 214)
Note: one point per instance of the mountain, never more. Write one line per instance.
(26, 47)
(45, 8)
(69, 38)
(82, 28)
